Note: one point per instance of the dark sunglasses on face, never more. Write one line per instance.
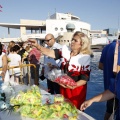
(47, 40)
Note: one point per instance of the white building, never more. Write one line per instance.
(57, 24)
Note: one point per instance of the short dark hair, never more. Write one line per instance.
(15, 48)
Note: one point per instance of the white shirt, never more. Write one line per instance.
(48, 60)
(14, 59)
(1, 58)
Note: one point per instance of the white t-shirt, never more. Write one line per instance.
(1, 58)
(14, 59)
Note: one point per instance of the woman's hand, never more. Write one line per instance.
(71, 87)
(33, 42)
(63, 85)
(3, 75)
(68, 86)
(86, 104)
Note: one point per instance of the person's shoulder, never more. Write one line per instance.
(3, 53)
(84, 55)
(57, 45)
(112, 45)
(104, 50)
(65, 47)
(18, 55)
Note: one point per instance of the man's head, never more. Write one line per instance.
(49, 40)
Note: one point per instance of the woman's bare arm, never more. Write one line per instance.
(42, 49)
(4, 66)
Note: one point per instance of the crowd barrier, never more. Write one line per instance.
(22, 66)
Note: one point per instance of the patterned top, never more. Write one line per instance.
(77, 67)
(34, 56)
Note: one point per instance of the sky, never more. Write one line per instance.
(101, 14)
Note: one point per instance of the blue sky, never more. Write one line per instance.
(101, 14)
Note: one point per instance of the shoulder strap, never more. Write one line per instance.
(115, 66)
(116, 70)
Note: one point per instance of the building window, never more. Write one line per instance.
(61, 29)
(64, 40)
(68, 40)
(56, 28)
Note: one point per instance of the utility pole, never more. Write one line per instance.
(118, 26)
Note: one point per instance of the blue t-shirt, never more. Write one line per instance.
(107, 58)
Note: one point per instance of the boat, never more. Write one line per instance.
(61, 25)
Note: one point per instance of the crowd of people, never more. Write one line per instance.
(14, 55)
(73, 61)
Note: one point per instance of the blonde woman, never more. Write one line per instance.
(75, 61)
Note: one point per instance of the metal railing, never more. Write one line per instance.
(21, 72)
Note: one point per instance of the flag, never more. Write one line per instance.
(0, 6)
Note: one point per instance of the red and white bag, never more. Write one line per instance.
(65, 80)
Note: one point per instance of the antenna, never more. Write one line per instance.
(118, 27)
(48, 15)
(55, 10)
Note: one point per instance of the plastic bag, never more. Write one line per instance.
(58, 76)
(8, 91)
(54, 73)
(65, 80)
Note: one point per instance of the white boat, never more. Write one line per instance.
(58, 24)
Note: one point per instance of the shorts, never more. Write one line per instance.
(16, 72)
(109, 105)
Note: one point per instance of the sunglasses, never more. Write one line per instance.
(47, 40)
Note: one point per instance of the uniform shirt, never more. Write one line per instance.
(107, 59)
(50, 61)
(114, 87)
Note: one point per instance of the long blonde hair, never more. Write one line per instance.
(86, 47)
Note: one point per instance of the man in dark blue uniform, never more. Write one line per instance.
(106, 64)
